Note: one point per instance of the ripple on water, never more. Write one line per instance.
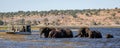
(34, 41)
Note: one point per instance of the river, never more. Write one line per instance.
(34, 41)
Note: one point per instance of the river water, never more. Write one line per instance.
(34, 41)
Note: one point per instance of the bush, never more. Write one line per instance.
(1, 22)
(114, 14)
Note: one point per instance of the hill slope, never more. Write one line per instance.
(64, 17)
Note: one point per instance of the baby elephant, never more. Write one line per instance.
(109, 36)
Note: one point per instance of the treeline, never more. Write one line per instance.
(87, 12)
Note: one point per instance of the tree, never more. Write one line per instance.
(87, 14)
(116, 7)
(1, 22)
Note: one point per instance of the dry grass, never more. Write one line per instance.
(13, 37)
(95, 26)
(73, 27)
(3, 28)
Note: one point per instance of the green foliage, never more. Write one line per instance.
(88, 12)
(116, 7)
(1, 22)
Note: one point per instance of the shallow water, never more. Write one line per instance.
(34, 41)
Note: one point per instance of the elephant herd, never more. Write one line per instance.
(67, 33)
(56, 33)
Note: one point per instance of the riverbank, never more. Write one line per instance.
(96, 26)
(72, 27)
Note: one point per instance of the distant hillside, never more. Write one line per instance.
(63, 17)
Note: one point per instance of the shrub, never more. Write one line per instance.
(1, 22)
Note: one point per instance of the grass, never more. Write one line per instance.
(3, 28)
(95, 26)
(12, 36)
(73, 27)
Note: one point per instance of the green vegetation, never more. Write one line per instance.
(74, 13)
(1, 22)
(88, 12)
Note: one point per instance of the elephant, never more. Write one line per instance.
(95, 34)
(58, 34)
(109, 36)
(68, 33)
(83, 32)
(55, 33)
(52, 33)
(61, 33)
(45, 31)
(86, 32)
